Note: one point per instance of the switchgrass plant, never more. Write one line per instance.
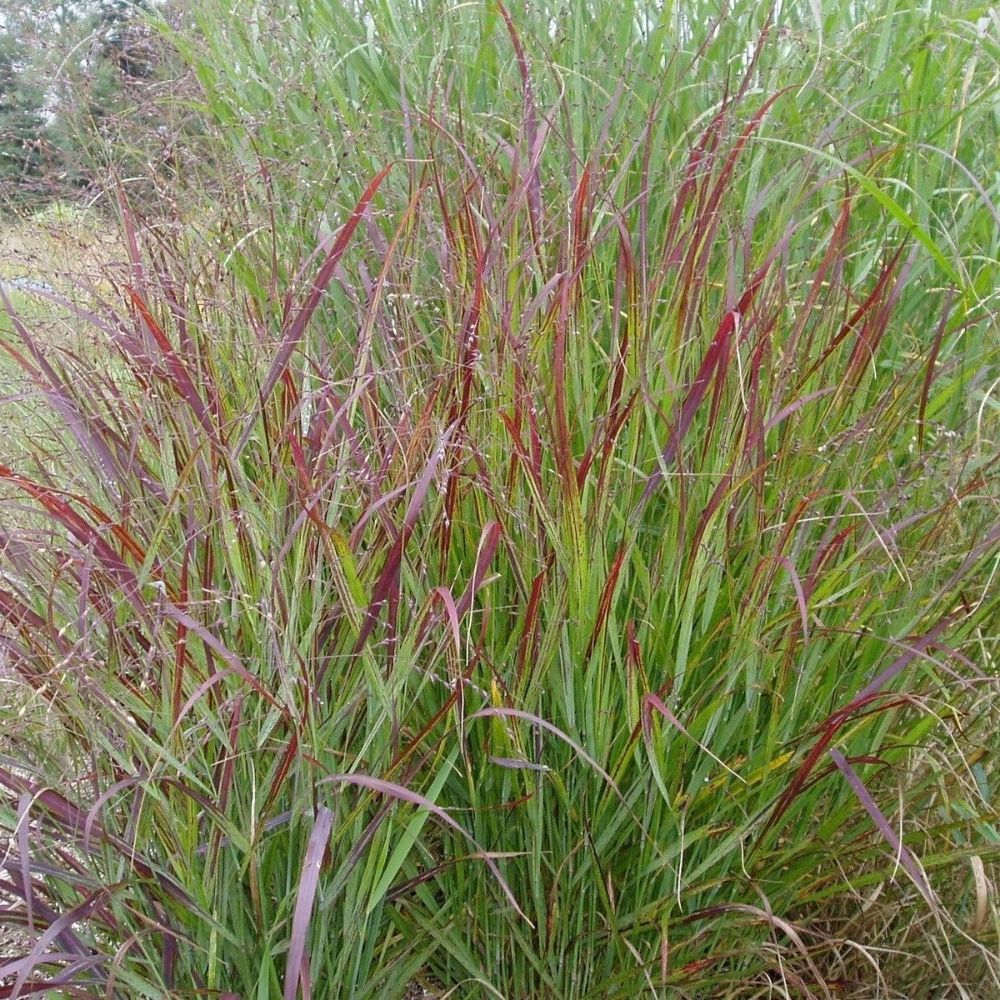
(572, 573)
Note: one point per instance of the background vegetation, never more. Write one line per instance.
(87, 90)
(528, 524)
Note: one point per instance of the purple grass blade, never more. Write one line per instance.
(653, 701)
(62, 981)
(535, 720)
(913, 650)
(56, 391)
(415, 798)
(21, 616)
(712, 365)
(71, 969)
(692, 400)
(232, 660)
(24, 849)
(70, 943)
(71, 818)
(176, 368)
(131, 238)
(988, 545)
(792, 408)
(22, 968)
(931, 366)
(85, 533)
(518, 764)
(799, 593)
(312, 864)
(906, 859)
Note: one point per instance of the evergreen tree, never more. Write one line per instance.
(89, 89)
(22, 124)
(124, 42)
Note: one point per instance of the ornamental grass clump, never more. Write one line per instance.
(572, 578)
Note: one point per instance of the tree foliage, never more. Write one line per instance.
(74, 100)
(21, 121)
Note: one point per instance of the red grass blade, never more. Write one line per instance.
(488, 543)
(932, 357)
(529, 629)
(711, 365)
(390, 571)
(607, 595)
(177, 370)
(295, 325)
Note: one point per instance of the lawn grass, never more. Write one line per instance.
(550, 549)
(62, 251)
